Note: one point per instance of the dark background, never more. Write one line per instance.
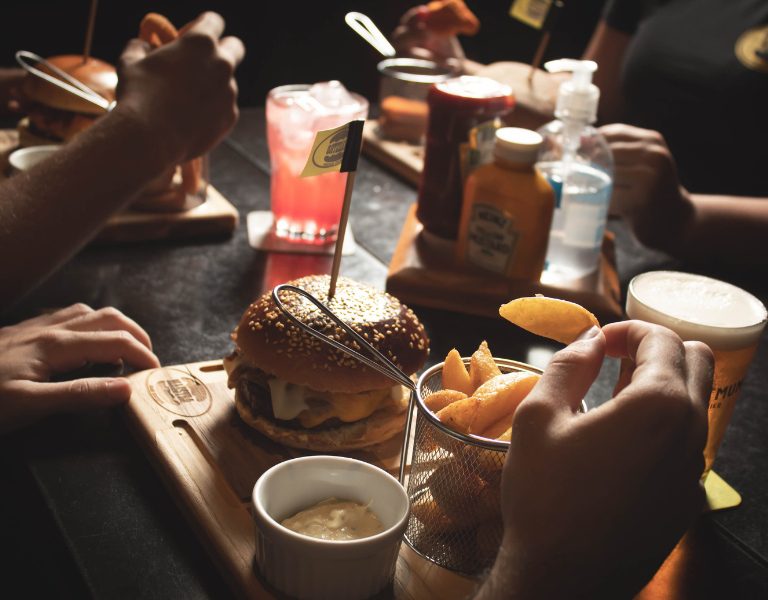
(286, 42)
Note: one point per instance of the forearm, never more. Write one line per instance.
(729, 230)
(49, 212)
(502, 582)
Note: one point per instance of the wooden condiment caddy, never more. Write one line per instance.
(423, 272)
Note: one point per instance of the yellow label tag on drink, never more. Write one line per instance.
(335, 150)
(530, 12)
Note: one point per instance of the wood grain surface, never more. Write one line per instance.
(214, 217)
(185, 419)
(402, 158)
(423, 273)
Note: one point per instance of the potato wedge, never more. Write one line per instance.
(460, 415)
(471, 503)
(426, 510)
(553, 318)
(499, 397)
(455, 375)
(482, 367)
(438, 400)
(496, 429)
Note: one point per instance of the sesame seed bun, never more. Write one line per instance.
(268, 340)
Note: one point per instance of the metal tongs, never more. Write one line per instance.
(367, 30)
(377, 360)
(29, 62)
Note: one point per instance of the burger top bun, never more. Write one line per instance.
(98, 75)
(268, 340)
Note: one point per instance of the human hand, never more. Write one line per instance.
(593, 503)
(33, 351)
(412, 37)
(646, 188)
(184, 94)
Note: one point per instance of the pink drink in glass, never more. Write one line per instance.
(306, 209)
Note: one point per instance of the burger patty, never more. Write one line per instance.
(59, 125)
(253, 390)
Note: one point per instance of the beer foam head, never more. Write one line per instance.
(698, 308)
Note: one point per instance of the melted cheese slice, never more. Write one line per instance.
(311, 408)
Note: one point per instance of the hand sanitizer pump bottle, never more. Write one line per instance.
(578, 163)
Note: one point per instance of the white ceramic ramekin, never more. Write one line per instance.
(310, 568)
(25, 158)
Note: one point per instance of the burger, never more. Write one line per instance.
(54, 115)
(302, 392)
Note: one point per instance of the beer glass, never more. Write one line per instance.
(726, 318)
(306, 209)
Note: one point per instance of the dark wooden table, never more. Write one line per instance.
(83, 513)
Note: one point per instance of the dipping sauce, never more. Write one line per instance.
(334, 519)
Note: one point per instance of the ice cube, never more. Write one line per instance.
(332, 95)
(296, 123)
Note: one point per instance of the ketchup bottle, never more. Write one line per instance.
(464, 113)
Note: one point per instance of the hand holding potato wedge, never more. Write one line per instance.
(625, 475)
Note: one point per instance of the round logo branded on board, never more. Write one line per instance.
(179, 392)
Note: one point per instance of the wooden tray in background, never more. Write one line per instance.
(422, 272)
(213, 218)
(402, 158)
(185, 419)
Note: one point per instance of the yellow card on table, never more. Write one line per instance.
(530, 12)
(720, 495)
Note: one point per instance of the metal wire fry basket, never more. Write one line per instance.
(454, 479)
(454, 485)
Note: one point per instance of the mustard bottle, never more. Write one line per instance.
(507, 210)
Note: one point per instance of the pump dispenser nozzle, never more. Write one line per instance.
(578, 97)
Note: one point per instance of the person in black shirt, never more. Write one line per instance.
(689, 77)
(684, 91)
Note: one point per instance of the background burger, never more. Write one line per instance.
(304, 393)
(55, 116)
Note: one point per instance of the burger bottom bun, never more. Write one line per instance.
(28, 138)
(378, 427)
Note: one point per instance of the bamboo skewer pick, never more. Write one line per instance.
(337, 150)
(547, 26)
(342, 230)
(89, 31)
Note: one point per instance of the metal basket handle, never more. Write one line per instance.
(378, 362)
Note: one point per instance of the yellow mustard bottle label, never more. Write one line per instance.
(491, 238)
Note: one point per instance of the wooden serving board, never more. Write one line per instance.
(212, 218)
(185, 419)
(402, 158)
(423, 272)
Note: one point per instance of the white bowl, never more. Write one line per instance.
(25, 158)
(310, 568)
